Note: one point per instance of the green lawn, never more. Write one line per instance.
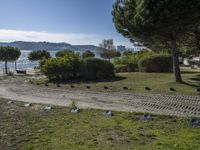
(35, 129)
(136, 82)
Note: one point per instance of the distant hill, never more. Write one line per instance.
(48, 46)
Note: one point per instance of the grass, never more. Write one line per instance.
(136, 82)
(33, 128)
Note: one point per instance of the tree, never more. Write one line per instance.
(192, 42)
(163, 21)
(127, 53)
(107, 49)
(38, 55)
(64, 52)
(9, 54)
(88, 54)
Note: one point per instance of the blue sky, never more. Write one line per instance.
(72, 21)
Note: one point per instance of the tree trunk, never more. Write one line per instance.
(176, 66)
(199, 61)
(6, 69)
(15, 65)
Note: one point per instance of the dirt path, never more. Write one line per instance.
(179, 105)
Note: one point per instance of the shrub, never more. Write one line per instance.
(156, 63)
(121, 68)
(64, 53)
(130, 60)
(94, 68)
(88, 54)
(61, 68)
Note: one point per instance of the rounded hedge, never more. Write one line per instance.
(121, 68)
(156, 63)
(94, 68)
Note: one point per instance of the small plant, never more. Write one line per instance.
(46, 84)
(37, 83)
(71, 86)
(72, 105)
(58, 85)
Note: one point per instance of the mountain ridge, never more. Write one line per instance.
(24, 45)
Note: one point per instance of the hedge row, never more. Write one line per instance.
(156, 63)
(71, 67)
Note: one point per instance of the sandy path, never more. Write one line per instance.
(179, 105)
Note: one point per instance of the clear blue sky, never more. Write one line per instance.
(89, 18)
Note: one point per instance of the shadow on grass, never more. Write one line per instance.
(190, 84)
(195, 79)
(189, 72)
(79, 81)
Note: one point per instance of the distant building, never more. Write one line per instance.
(121, 48)
(136, 49)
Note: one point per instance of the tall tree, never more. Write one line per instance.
(163, 21)
(192, 42)
(108, 50)
(9, 54)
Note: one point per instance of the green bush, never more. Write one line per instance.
(121, 68)
(65, 52)
(130, 60)
(61, 68)
(94, 68)
(156, 63)
(88, 54)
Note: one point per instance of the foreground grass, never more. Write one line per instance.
(33, 128)
(136, 82)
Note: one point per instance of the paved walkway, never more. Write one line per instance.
(178, 105)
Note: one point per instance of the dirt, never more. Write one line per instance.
(179, 105)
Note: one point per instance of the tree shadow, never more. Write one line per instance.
(189, 72)
(87, 81)
(195, 79)
(190, 84)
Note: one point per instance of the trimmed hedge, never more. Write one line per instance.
(71, 67)
(121, 68)
(94, 68)
(156, 63)
(61, 68)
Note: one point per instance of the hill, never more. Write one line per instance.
(48, 46)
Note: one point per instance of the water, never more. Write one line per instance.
(23, 62)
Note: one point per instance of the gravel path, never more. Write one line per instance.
(178, 105)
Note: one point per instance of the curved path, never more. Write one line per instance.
(178, 105)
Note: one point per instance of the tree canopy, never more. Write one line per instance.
(64, 52)
(163, 22)
(107, 49)
(9, 54)
(88, 54)
(38, 55)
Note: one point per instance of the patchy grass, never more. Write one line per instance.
(33, 128)
(136, 82)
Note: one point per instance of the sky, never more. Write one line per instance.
(71, 21)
